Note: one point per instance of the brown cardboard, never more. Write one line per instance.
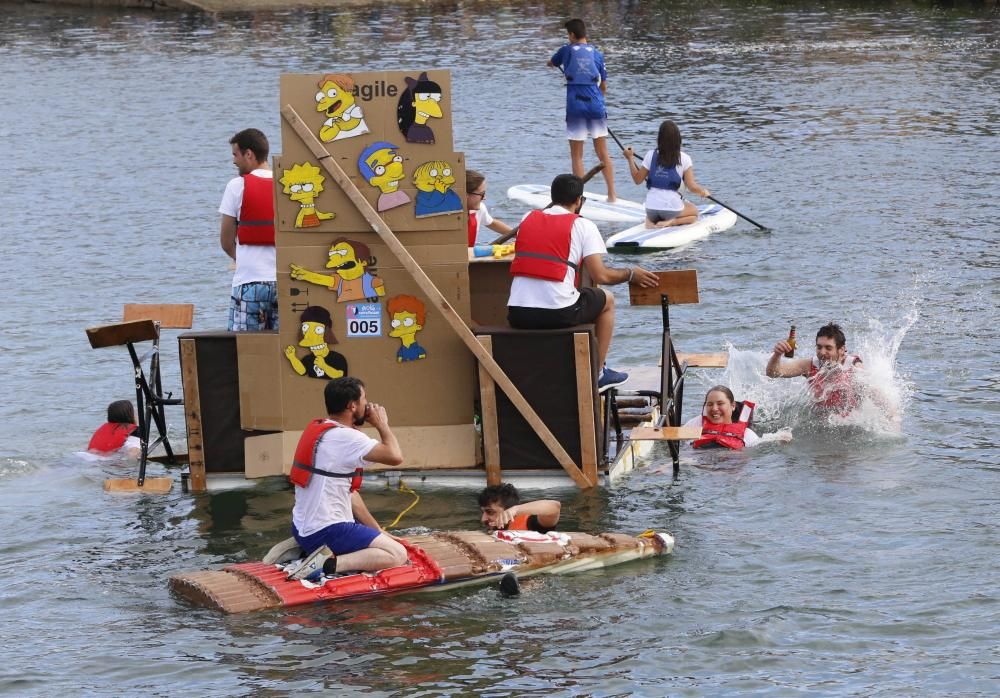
(260, 381)
(489, 288)
(264, 455)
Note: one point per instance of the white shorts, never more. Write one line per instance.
(580, 128)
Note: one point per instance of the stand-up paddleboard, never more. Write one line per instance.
(711, 219)
(596, 207)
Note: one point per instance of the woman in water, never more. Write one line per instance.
(718, 428)
(117, 432)
(663, 170)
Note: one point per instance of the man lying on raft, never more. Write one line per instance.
(502, 509)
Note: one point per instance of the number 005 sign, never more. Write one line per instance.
(364, 320)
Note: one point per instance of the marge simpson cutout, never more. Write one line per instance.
(352, 280)
(407, 313)
(303, 183)
(434, 181)
(382, 167)
(420, 101)
(316, 335)
(344, 117)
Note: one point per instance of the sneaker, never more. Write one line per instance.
(311, 568)
(610, 379)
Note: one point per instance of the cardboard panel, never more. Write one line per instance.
(259, 380)
(489, 289)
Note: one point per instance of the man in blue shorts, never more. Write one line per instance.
(586, 114)
(330, 520)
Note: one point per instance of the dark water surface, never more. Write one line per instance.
(849, 561)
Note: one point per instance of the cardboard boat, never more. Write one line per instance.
(437, 560)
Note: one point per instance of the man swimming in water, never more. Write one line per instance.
(502, 509)
(830, 372)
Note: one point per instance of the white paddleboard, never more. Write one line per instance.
(596, 207)
(711, 219)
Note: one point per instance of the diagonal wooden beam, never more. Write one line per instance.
(437, 298)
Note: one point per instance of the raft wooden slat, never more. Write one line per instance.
(665, 433)
(122, 333)
(711, 360)
(169, 315)
(491, 429)
(192, 414)
(434, 295)
(585, 404)
(151, 485)
(681, 286)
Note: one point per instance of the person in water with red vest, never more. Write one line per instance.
(553, 246)
(502, 509)
(475, 202)
(724, 422)
(116, 433)
(247, 234)
(830, 373)
(330, 521)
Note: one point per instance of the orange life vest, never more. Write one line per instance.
(726, 435)
(518, 523)
(256, 223)
(833, 387)
(542, 247)
(305, 454)
(110, 436)
(473, 227)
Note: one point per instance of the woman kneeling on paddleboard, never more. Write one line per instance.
(724, 422)
(663, 170)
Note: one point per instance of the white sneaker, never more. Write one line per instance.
(312, 567)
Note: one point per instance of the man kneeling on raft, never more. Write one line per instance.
(330, 520)
(502, 509)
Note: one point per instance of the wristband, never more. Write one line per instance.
(631, 272)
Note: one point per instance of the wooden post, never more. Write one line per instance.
(585, 404)
(491, 430)
(435, 296)
(192, 414)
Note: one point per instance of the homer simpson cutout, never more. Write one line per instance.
(382, 167)
(303, 183)
(435, 197)
(353, 280)
(420, 101)
(316, 335)
(407, 313)
(344, 116)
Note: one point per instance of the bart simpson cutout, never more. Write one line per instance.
(316, 334)
(354, 278)
(303, 183)
(344, 116)
(434, 196)
(407, 313)
(420, 101)
(382, 167)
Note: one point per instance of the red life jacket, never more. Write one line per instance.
(518, 523)
(256, 223)
(305, 453)
(110, 436)
(726, 435)
(833, 388)
(542, 247)
(473, 227)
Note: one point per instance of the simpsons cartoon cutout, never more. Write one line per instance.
(303, 183)
(354, 276)
(407, 315)
(382, 167)
(420, 101)
(434, 181)
(316, 335)
(344, 116)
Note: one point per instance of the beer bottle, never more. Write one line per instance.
(791, 342)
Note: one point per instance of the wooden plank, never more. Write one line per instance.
(491, 428)
(192, 414)
(585, 404)
(665, 434)
(435, 296)
(718, 359)
(172, 315)
(152, 485)
(681, 286)
(121, 333)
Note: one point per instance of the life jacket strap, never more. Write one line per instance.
(547, 257)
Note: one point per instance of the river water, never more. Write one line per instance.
(850, 561)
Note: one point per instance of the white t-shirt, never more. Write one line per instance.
(253, 262)
(665, 199)
(327, 500)
(483, 218)
(750, 437)
(528, 292)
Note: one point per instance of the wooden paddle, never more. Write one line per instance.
(586, 178)
(746, 218)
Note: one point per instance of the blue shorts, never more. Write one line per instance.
(254, 306)
(580, 128)
(342, 538)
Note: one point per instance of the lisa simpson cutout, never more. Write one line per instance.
(303, 183)
(420, 101)
(344, 116)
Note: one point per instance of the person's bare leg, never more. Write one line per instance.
(384, 552)
(601, 148)
(576, 157)
(604, 327)
(688, 215)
